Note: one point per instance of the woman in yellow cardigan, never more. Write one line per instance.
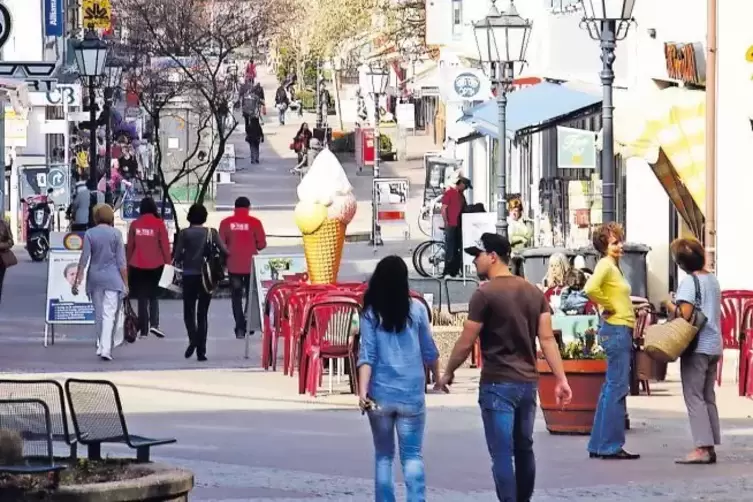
(609, 289)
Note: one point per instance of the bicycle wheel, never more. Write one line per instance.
(424, 222)
(416, 254)
(431, 259)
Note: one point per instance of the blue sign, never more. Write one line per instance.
(130, 209)
(53, 18)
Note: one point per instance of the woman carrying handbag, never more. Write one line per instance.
(698, 300)
(198, 252)
(7, 258)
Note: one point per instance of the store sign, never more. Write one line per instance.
(686, 62)
(576, 148)
(464, 84)
(53, 16)
(69, 95)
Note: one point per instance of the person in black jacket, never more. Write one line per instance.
(254, 138)
(281, 102)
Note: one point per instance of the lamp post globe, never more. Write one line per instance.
(502, 39)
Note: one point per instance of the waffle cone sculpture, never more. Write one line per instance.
(327, 205)
(324, 251)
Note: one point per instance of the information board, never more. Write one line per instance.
(62, 306)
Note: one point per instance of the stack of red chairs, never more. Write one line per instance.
(275, 321)
(745, 362)
(736, 319)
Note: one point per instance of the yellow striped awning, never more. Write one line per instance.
(668, 129)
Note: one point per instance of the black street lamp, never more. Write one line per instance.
(114, 73)
(379, 77)
(607, 21)
(91, 54)
(502, 40)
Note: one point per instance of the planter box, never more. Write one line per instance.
(161, 483)
(445, 338)
(586, 378)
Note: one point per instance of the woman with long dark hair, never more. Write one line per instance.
(396, 343)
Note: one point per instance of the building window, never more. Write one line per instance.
(457, 18)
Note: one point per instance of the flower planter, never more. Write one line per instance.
(445, 338)
(586, 377)
(152, 483)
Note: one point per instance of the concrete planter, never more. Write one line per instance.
(445, 338)
(161, 483)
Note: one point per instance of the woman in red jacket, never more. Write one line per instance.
(147, 252)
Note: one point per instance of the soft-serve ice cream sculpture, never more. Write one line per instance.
(326, 206)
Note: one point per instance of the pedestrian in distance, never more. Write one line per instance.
(395, 345)
(7, 258)
(609, 289)
(243, 236)
(282, 102)
(508, 314)
(254, 138)
(699, 290)
(193, 249)
(147, 253)
(107, 278)
(453, 206)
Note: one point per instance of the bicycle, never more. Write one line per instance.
(427, 214)
(428, 259)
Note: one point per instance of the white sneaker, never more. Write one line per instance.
(156, 332)
(106, 357)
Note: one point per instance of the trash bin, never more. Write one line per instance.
(536, 262)
(633, 265)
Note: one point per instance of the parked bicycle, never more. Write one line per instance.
(428, 259)
(427, 215)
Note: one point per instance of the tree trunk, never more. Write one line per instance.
(338, 103)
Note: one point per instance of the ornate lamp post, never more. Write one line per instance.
(607, 21)
(379, 77)
(114, 75)
(91, 54)
(502, 40)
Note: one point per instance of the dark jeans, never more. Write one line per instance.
(79, 227)
(409, 423)
(608, 431)
(195, 312)
(239, 284)
(453, 259)
(2, 278)
(144, 285)
(509, 411)
(253, 148)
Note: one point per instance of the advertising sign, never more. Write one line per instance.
(406, 115)
(69, 95)
(474, 226)
(271, 269)
(391, 197)
(130, 209)
(576, 148)
(53, 18)
(62, 306)
(97, 14)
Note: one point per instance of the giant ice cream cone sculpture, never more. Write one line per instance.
(327, 205)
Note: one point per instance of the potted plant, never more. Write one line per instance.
(586, 367)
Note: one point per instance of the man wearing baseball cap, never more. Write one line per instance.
(507, 313)
(453, 204)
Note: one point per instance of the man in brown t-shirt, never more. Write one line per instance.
(507, 313)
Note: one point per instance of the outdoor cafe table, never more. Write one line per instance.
(572, 325)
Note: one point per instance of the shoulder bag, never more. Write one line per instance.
(667, 342)
(212, 270)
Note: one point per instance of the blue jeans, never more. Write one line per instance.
(608, 431)
(509, 411)
(409, 422)
(281, 113)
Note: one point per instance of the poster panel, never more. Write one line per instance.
(62, 306)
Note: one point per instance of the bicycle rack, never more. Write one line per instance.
(447, 290)
(432, 280)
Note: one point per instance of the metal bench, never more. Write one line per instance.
(30, 419)
(51, 392)
(97, 415)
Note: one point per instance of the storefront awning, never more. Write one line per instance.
(667, 128)
(533, 109)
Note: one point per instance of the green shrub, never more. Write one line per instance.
(385, 143)
(308, 99)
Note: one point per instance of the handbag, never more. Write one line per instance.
(212, 271)
(667, 342)
(8, 258)
(130, 322)
(171, 279)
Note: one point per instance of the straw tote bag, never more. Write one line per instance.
(667, 342)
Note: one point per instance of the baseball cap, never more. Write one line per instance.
(490, 243)
(465, 181)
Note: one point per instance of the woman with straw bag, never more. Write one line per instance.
(699, 291)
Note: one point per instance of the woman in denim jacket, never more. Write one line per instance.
(396, 343)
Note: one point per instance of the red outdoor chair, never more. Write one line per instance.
(736, 318)
(744, 373)
(327, 334)
(275, 325)
(643, 318)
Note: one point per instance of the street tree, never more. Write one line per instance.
(201, 38)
